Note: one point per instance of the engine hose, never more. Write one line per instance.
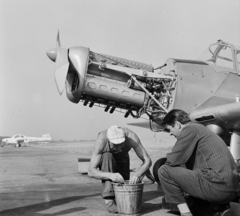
(135, 116)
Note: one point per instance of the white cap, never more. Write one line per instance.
(115, 134)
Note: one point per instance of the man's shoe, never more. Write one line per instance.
(223, 210)
(111, 207)
(170, 206)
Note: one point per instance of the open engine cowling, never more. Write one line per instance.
(92, 84)
(112, 83)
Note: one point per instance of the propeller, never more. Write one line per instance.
(60, 56)
(77, 60)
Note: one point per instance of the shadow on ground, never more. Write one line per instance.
(35, 208)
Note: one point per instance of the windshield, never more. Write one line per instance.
(219, 55)
(238, 58)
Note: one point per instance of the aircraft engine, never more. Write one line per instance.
(112, 83)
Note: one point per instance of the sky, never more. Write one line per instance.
(149, 31)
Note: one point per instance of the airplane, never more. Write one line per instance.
(207, 89)
(20, 140)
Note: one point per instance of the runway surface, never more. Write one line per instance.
(44, 180)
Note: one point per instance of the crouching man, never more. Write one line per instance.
(209, 173)
(110, 161)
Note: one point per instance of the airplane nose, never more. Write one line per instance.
(52, 54)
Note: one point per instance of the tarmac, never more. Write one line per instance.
(45, 180)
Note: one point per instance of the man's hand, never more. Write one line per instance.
(134, 180)
(116, 177)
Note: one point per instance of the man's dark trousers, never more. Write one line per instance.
(177, 180)
(109, 164)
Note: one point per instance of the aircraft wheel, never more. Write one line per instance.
(156, 167)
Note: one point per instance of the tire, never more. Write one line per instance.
(156, 167)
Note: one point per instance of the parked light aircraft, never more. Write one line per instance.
(207, 89)
(20, 140)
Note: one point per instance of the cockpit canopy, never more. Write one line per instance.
(18, 136)
(223, 54)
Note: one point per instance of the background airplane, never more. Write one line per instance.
(207, 89)
(20, 140)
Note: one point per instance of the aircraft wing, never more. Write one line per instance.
(222, 120)
(226, 116)
(144, 124)
(147, 124)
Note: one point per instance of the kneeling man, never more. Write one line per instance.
(210, 172)
(110, 161)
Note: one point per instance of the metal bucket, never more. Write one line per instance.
(128, 198)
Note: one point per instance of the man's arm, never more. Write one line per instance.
(143, 155)
(183, 148)
(93, 170)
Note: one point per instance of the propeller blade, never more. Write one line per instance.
(60, 77)
(62, 66)
(58, 44)
(60, 56)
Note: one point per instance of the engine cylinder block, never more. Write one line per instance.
(111, 90)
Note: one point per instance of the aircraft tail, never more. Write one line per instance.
(46, 136)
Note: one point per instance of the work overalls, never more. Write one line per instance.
(114, 162)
